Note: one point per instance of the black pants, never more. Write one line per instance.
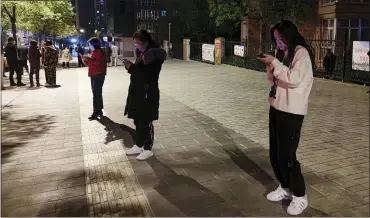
(80, 62)
(144, 134)
(64, 64)
(15, 68)
(24, 64)
(35, 70)
(285, 132)
(97, 83)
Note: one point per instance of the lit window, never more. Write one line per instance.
(163, 13)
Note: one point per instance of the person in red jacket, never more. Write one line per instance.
(97, 63)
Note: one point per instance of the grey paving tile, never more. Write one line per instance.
(71, 162)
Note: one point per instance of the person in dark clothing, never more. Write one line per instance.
(71, 49)
(23, 57)
(11, 54)
(50, 64)
(143, 95)
(108, 52)
(329, 62)
(34, 56)
(80, 52)
(97, 63)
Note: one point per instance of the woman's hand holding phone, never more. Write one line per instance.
(126, 62)
(266, 58)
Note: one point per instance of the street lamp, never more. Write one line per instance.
(169, 32)
(82, 30)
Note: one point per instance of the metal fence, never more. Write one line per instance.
(342, 68)
(177, 50)
(196, 51)
(247, 55)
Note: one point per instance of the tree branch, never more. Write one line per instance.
(8, 13)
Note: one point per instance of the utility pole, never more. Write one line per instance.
(169, 32)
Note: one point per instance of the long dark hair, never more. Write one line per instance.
(145, 37)
(292, 38)
(95, 42)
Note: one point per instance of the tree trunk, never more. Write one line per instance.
(14, 25)
(13, 21)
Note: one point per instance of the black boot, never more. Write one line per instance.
(20, 84)
(96, 114)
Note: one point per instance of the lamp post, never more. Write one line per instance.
(169, 32)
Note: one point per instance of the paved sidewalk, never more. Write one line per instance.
(56, 163)
(41, 152)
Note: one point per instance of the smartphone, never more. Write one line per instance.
(261, 55)
(124, 60)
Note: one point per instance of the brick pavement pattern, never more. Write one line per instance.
(211, 148)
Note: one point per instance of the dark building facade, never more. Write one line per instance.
(101, 16)
(121, 17)
(338, 17)
(153, 16)
(85, 14)
(164, 19)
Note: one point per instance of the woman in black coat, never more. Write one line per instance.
(143, 94)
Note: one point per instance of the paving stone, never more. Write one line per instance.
(336, 202)
(362, 210)
(167, 210)
(31, 211)
(211, 141)
(328, 188)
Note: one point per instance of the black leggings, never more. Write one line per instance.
(144, 134)
(285, 131)
(97, 82)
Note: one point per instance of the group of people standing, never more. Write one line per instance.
(142, 103)
(16, 60)
(289, 71)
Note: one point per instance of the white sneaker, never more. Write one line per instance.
(279, 194)
(145, 155)
(297, 205)
(134, 150)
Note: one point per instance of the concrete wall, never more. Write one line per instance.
(128, 47)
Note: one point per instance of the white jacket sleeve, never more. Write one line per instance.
(270, 75)
(292, 76)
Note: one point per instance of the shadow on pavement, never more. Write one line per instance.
(72, 191)
(231, 143)
(190, 197)
(227, 138)
(187, 194)
(16, 132)
(75, 202)
(53, 87)
(35, 88)
(117, 131)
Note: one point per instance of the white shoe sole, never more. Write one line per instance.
(285, 198)
(138, 158)
(134, 153)
(296, 214)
